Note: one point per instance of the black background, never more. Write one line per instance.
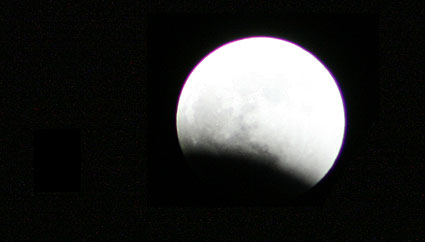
(57, 160)
(73, 68)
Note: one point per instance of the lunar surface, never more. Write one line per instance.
(261, 113)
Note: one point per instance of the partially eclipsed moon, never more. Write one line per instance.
(267, 102)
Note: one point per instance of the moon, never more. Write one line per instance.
(261, 113)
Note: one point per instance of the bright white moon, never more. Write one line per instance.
(264, 96)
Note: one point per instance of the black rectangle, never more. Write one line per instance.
(57, 160)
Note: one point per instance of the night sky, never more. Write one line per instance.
(117, 77)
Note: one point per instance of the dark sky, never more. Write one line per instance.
(117, 78)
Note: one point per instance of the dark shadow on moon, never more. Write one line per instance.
(242, 179)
